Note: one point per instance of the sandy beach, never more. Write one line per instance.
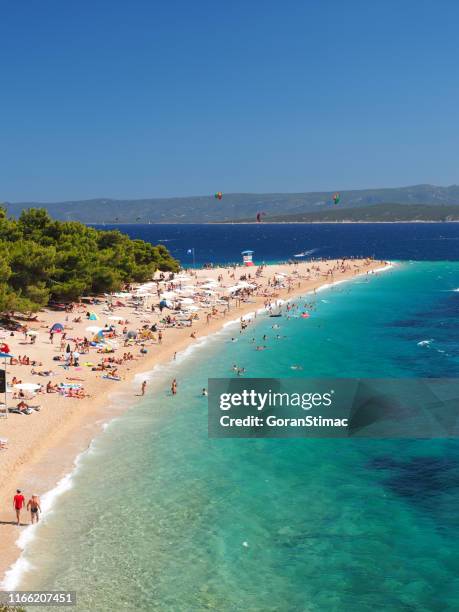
(41, 447)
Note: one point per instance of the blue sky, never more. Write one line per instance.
(149, 99)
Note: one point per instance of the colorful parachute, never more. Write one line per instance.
(259, 216)
(218, 195)
(336, 198)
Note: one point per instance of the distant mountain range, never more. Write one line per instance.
(380, 213)
(355, 205)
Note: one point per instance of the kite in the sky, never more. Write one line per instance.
(218, 195)
(259, 216)
(336, 198)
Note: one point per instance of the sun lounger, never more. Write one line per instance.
(15, 411)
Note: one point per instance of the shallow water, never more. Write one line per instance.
(162, 518)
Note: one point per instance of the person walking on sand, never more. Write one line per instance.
(144, 386)
(34, 506)
(18, 504)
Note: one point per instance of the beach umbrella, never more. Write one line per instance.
(168, 294)
(27, 386)
(94, 329)
(6, 355)
(57, 328)
(32, 333)
(132, 334)
(93, 316)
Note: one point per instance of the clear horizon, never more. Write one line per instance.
(152, 100)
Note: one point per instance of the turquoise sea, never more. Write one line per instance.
(159, 517)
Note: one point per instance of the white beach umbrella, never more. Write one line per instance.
(27, 386)
(32, 333)
(187, 301)
(94, 329)
(168, 294)
(186, 290)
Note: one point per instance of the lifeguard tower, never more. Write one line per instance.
(247, 258)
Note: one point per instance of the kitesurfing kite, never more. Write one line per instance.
(259, 216)
(336, 198)
(218, 195)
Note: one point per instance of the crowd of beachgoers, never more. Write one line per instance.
(110, 340)
(63, 363)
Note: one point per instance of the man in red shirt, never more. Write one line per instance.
(18, 503)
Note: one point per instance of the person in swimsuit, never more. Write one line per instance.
(34, 506)
(18, 503)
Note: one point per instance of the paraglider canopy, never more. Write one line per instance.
(218, 195)
(336, 198)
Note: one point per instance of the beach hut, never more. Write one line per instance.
(247, 258)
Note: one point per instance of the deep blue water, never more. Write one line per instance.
(279, 242)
